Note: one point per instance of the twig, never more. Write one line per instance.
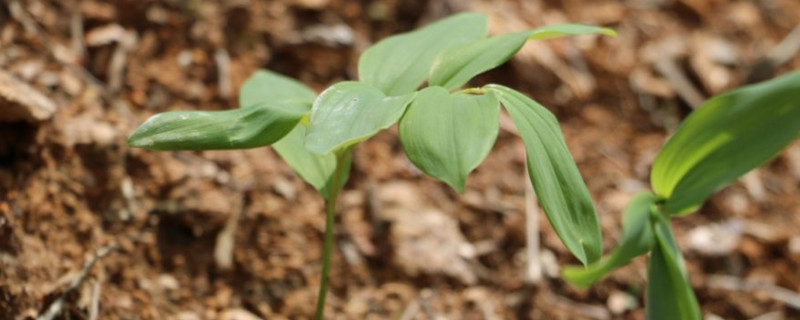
(77, 32)
(225, 242)
(94, 310)
(223, 60)
(57, 306)
(789, 297)
(534, 274)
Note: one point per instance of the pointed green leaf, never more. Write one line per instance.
(399, 64)
(726, 137)
(349, 112)
(637, 239)
(447, 136)
(265, 86)
(456, 66)
(669, 295)
(554, 175)
(242, 128)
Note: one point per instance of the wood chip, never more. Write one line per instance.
(20, 101)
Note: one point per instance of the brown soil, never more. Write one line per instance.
(407, 246)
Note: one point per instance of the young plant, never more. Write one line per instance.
(445, 131)
(722, 140)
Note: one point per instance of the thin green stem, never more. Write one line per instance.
(330, 210)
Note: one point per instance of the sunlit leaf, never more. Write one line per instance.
(637, 239)
(267, 87)
(447, 136)
(242, 128)
(349, 112)
(669, 295)
(555, 176)
(399, 64)
(723, 139)
(456, 66)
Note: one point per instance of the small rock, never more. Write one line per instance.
(619, 302)
(168, 282)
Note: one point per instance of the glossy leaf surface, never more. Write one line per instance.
(242, 128)
(555, 176)
(725, 138)
(637, 239)
(400, 64)
(349, 112)
(447, 136)
(456, 66)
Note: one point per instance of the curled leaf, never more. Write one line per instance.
(454, 67)
(242, 128)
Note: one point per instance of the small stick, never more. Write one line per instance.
(534, 274)
(223, 60)
(95, 306)
(57, 306)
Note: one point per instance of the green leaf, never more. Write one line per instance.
(456, 66)
(350, 112)
(313, 168)
(242, 128)
(637, 239)
(447, 136)
(265, 86)
(725, 138)
(669, 295)
(399, 64)
(554, 175)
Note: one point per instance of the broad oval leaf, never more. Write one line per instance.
(456, 66)
(447, 136)
(313, 168)
(637, 239)
(349, 112)
(400, 64)
(669, 295)
(725, 138)
(267, 87)
(555, 176)
(242, 128)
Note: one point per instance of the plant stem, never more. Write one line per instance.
(330, 210)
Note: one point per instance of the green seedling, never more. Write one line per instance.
(722, 140)
(446, 132)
